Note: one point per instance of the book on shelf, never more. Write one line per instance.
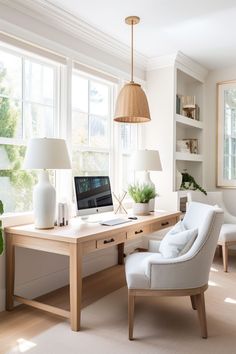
(189, 102)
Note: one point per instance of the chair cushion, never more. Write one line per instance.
(177, 241)
(228, 233)
(135, 269)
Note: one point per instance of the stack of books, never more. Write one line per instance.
(183, 101)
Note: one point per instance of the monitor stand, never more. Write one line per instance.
(92, 219)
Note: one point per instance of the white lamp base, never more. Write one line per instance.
(147, 180)
(44, 200)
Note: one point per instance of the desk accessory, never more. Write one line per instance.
(44, 154)
(120, 207)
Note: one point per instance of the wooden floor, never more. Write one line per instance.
(26, 322)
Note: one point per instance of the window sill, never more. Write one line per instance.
(10, 219)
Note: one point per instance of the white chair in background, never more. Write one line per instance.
(227, 235)
(151, 274)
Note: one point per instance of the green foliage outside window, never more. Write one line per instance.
(21, 180)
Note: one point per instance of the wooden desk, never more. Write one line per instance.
(75, 241)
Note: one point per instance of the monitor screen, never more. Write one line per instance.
(93, 194)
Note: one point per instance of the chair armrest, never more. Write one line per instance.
(175, 273)
(153, 245)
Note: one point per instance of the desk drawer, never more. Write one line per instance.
(138, 231)
(159, 225)
(110, 241)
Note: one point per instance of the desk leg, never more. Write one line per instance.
(121, 247)
(75, 285)
(10, 272)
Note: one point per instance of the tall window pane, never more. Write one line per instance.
(27, 109)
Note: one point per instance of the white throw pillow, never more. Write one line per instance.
(177, 241)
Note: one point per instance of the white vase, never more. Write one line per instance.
(141, 208)
(178, 180)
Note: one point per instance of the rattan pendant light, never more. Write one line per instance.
(132, 104)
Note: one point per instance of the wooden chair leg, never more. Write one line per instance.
(200, 302)
(220, 251)
(131, 299)
(193, 302)
(225, 257)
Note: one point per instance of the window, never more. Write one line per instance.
(99, 146)
(27, 109)
(91, 125)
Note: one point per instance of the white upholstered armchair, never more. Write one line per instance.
(227, 235)
(151, 274)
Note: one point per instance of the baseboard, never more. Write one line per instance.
(92, 263)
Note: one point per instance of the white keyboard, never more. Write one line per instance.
(113, 222)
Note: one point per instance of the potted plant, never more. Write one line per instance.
(188, 182)
(141, 195)
(1, 230)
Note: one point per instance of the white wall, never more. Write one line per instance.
(210, 134)
(159, 132)
(37, 272)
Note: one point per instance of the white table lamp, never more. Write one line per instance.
(43, 154)
(147, 160)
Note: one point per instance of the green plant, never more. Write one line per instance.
(187, 178)
(1, 230)
(141, 193)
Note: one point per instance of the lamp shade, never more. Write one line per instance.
(147, 160)
(132, 105)
(47, 153)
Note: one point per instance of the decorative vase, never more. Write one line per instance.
(178, 180)
(141, 208)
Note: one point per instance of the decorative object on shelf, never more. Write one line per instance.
(1, 229)
(194, 146)
(186, 106)
(132, 104)
(187, 145)
(178, 180)
(141, 195)
(147, 160)
(188, 182)
(189, 109)
(120, 207)
(44, 154)
(183, 145)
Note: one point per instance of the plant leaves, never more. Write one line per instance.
(1, 207)
(1, 242)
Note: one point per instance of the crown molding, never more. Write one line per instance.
(59, 18)
(180, 61)
(191, 67)
(161, 62)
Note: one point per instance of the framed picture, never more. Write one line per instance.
(226, 134)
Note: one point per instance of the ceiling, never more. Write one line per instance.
(202, 29)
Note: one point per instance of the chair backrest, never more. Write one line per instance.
(191, 270)
(208, 219)
(212, 198)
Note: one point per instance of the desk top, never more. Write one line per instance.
(79, 231)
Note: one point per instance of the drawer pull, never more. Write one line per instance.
(165, 223)
(138, 232)
(108, 241)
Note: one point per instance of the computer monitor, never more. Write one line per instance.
(93, 195)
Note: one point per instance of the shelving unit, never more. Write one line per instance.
(182, 120)
(187, 128)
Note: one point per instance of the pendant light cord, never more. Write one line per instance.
(132, 51)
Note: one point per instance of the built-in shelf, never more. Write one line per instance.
(186, 156)
(188, 121)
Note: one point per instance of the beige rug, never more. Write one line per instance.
(166, 325)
